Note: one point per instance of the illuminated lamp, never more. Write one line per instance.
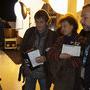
(80, 4)
(20, 10)
(59, 6)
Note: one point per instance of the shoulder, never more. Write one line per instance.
(30, 30)
(50, 31)
(82, 32)
(53, 33)
(60, 40)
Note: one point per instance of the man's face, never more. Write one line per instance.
(41, 24)
(85, 18)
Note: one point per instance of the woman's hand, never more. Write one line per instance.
(41, 59)
(64, 56)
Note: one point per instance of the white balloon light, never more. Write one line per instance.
(24, 24)
(26, 2)
(80, 4)
(35, 5)
(60, 6)
(17, 10)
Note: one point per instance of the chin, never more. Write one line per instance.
(40, 30)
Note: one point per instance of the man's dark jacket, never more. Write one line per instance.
(29, 39)
(86, 34)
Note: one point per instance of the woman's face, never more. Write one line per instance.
(66, 28)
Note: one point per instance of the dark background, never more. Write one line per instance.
(7, 10)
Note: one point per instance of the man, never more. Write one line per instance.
(41, 38)
(85, 33)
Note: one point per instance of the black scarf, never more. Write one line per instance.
(40, 41)
(70, 40)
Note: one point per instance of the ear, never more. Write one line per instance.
(48, 22)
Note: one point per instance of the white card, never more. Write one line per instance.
(71, 49)
(32, 56)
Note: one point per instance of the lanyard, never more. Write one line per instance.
(86, 54)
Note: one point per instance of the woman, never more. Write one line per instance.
(65, 68)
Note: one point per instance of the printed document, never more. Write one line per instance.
(71, 49)
(32, 56)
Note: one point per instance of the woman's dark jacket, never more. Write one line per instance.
(56, 64)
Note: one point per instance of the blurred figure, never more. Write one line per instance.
(85, 35)
(3, 25)
(65, 68)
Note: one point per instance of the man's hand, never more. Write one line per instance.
(41, 59)
(64, 56)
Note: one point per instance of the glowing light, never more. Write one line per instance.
(60, 6)
(23, 24)
(26, 2)
(35, 5)
(17, 10)
(80, 4)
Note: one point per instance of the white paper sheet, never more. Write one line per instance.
(32, 56)
(71, 49)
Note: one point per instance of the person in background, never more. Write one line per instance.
(65, 68)
(85, 35)
(41, 38)
(3, 24)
